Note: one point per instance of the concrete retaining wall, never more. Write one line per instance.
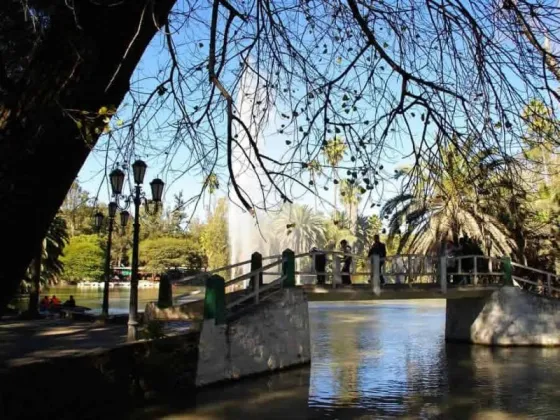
(508, 317)
(273, 335)
(100, 384)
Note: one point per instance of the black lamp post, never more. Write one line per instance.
(117, 180)
(98, 218)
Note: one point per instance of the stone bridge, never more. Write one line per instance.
(258, 321)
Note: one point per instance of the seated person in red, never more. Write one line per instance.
(55, 302)
(44, 304)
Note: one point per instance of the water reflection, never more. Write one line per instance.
(390, 360)
(119, 298)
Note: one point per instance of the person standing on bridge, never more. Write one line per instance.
(378, 248)
(347, 262)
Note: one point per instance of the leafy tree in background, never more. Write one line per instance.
(77, 210)
(83, 258)
(152, 225)
(177, 217)
(214, 236)
(367, 227)
(159, 254)
(336, 229)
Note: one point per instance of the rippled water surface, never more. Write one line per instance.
(389, 360)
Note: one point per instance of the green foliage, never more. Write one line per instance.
(335, 230)
(52, 252)
(83, 258)
(541, 124)
(160, 254)
(214, 237)
(366, 228)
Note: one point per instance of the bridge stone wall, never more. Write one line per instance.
(508, 317)
(271, 336)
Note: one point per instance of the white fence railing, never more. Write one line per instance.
(331, 267)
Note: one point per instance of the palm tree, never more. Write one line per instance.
(350, 195)
(298, 228)
(449, 200)
(334, 150)
(46, 266)
(212, 184)
(314, 168)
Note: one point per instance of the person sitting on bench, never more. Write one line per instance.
(70, 303)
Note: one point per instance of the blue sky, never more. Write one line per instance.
(93, 174)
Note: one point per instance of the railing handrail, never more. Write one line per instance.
(534, 283)
(209, 273)
(252, 273)
(256, 293)
(536, 270)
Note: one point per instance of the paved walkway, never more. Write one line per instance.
(23, 342)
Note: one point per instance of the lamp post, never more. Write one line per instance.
(107, 269)
(117, 180)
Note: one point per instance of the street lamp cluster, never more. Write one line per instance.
(138, 198)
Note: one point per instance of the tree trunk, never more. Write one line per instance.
(83, 62)
(33, 307)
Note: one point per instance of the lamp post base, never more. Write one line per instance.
(132, 331)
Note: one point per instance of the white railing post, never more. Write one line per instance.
(443, 274)
(549, 283)
(376, 275)
(371, 271)
(257, 288)
(336, 271)
(475, 277)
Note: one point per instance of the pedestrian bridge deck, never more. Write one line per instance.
(362, 292)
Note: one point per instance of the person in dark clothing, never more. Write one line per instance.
(70, 303)
(347, 262)
(320, 265)
(378, 248)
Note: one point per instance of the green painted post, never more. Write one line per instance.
(289, 268)
(165, 293)
(215, 299)
(508, 271)
(256, 263)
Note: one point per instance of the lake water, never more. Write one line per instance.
(118, 297)
(387, 360)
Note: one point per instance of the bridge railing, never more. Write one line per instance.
(536, 281)
(477, 270)
(222, 298)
